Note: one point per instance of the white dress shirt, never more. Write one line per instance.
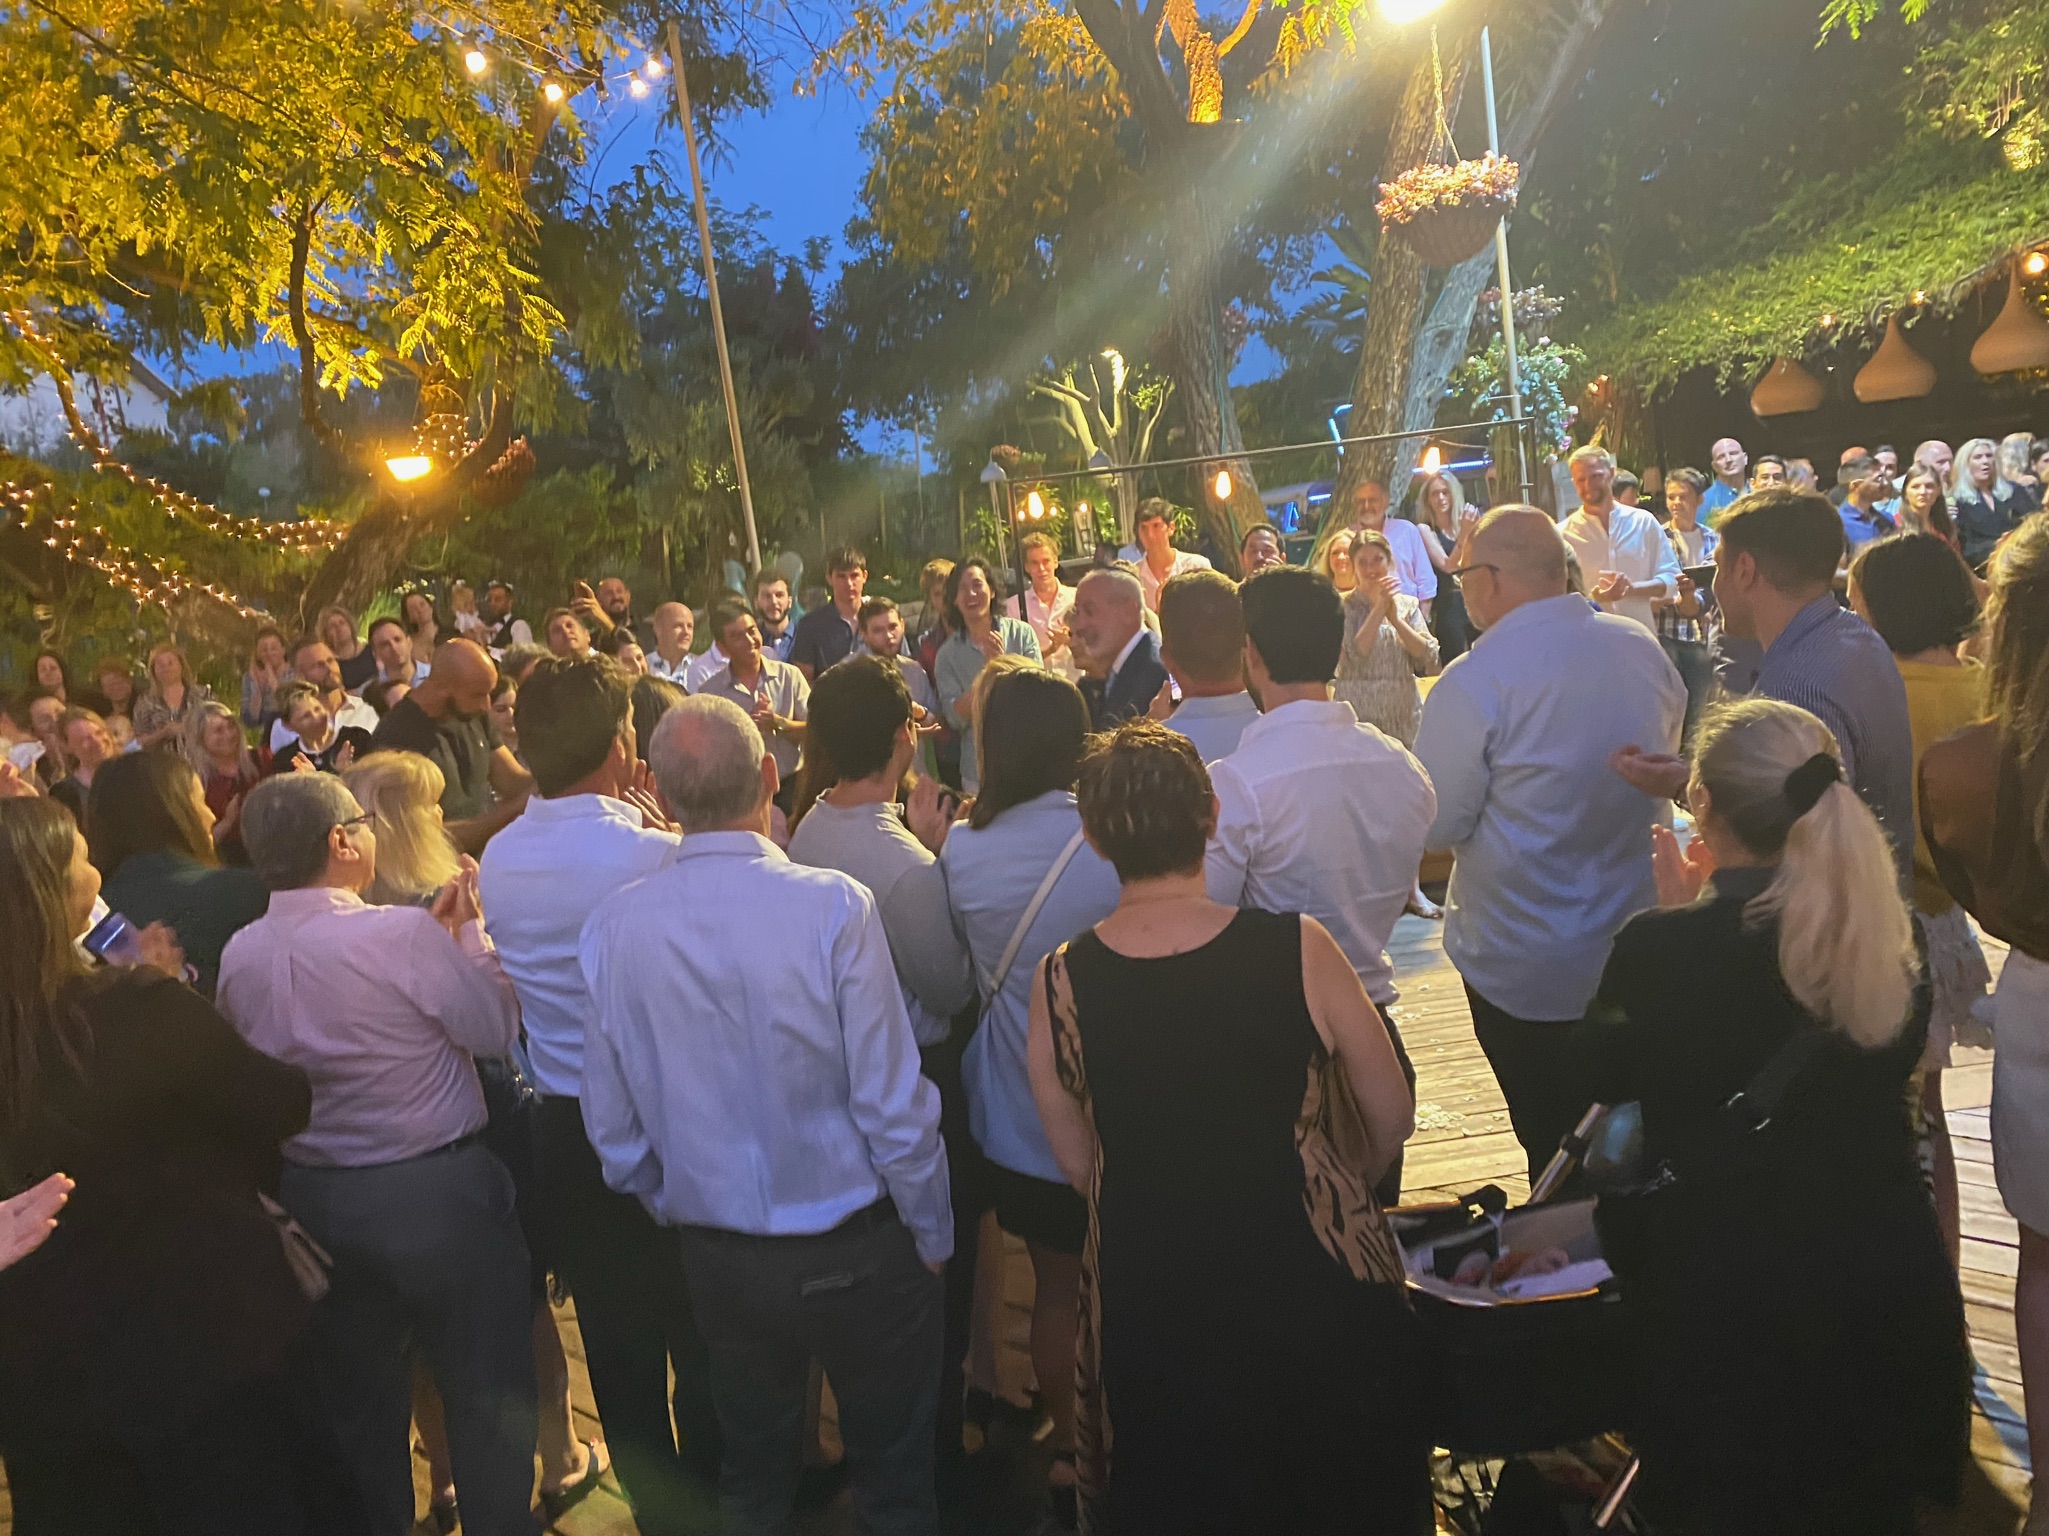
(1412, 567)
(1633, 543)
(381, 1009)
(353, 711)
(1215, 723)
(679, 674)
(1317, 813)
(1184, 562)
(748, 1064)
(789, 695)
(1042, 619)
(1554, 849)
(702, 667)
(540, 878)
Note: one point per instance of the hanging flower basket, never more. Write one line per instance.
(1448, 212)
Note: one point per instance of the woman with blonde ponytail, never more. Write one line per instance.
(1796, 1262)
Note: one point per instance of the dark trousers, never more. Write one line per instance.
(856, 1299)
(970, 1198)
(1696, 665)
(427, 1255)
(633, 1310)
(1530, 1061)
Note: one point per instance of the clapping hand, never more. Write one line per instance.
(1162, 706)
(640, 794)
(158, 946)
(457, 906)
(343, 758)
(1612, 587)
(1658, 774)
(27, 1219)
(925, 813)
(1679, 872)
(13, 785)
(990, 643)
(766, 720)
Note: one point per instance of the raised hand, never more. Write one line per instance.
(343, 758)
(650, 809)
(456, 906)
(158, 946)
(1655, 773)
(925, 813)
(13, 786)
(1679, 872)
(1162, 706)
(28, 1219)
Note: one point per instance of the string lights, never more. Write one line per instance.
(122, 568)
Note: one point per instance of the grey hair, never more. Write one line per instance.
(285, 823)
(1132, 588)
(1591, 453)
(706, 755)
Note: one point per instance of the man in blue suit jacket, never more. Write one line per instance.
(1108, 620)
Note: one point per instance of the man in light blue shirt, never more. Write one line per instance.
(1554, 852)
(583, 837)
(751, 1077)
(1202, 646)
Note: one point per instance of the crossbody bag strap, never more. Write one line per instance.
(1752, 1106)
(992, 981)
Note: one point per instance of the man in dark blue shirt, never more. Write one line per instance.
(826, 634)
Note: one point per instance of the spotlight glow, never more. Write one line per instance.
(408, 467)
(553, 91)
(2036, 264)
(1400, 13)
(475, 62)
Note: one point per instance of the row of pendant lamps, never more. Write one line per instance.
(2017, 341)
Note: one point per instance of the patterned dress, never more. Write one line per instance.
(1380, 683)
(1246, 1356)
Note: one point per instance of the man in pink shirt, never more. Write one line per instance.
(386, 1009)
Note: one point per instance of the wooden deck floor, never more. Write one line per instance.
(1463, 1140)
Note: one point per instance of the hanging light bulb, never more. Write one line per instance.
(553, 91)
(651, 66)
(2036, 264)
(1221, 486)
(475, 62)
(1433, 460)
(636, 87)
(1035, 507)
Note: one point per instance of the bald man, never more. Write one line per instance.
(447, 719)
(1729, 461)
(1552, 859)
(675, 629)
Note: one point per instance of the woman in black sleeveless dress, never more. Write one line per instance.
(1218, 1085)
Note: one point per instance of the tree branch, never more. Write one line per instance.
(323, 431)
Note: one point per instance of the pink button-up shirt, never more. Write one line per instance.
(382, 1009)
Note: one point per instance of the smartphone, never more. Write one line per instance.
(114, 940)
(1702, 576)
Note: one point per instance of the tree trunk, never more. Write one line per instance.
(1380, 392)
(1202, 383)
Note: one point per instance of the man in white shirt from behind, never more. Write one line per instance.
(750, 1074)
(1202, 646)
(1554, 856)
(1624, 556)
(1317, 813)
(584, 835)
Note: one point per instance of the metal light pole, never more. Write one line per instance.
(1515, 381)
(711, 284)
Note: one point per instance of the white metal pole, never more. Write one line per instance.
(711, 284)
(1515, 382)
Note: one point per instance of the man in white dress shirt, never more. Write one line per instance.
(1317, 813)
(1159, 562)
(313, 662)
(751, 1076)
(675, 626)
(584, 835)
(1554, 853)
(1202, 646)
(1412, 567)
(1624, 556)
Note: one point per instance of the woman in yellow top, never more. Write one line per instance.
(1916, 591)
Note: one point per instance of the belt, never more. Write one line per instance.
(880, 1214)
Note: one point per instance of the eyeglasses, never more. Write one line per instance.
(363, 820)
(1473, 565)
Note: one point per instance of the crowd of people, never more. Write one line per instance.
(749, 973)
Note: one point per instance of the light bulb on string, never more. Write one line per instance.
(651, 66)
(1035, 507)
(475, 62)
(636, 87)
(1221, 486)
(553, 91)
(1433, 459)
(2036, 264)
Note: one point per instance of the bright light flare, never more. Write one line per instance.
(1221, 486)
(2036, 264)
(651, 67)
(408, 467)
(1400, 13)
(553, 91)
(1433, 460)
(1034, 507)
(636, 87)
(475, 62)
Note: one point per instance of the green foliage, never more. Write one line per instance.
(1478, 390)
(1931, 218)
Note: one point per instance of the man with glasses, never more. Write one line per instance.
(1554, 852)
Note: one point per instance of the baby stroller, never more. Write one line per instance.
(1525, 1335)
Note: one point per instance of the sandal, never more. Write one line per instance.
(561, 1501)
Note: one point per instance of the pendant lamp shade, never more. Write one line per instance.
(1896, 371)
(2017, 340)
(1786, 390)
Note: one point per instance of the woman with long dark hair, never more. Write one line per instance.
(151, 836)
(1021, 879)
(978, 632)
(149, 1348)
